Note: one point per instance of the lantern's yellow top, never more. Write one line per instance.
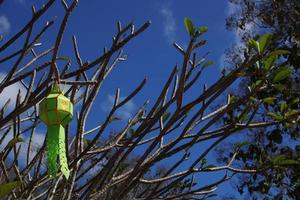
(56, 109)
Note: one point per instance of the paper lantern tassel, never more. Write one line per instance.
(56, 111)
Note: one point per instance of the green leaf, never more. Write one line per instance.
(275, 116)
(254, 44)
(282, 160)
(7, 188)
(242, 144)
(199, 44)
(291, 112)
(189, 26)
(278, 158)
(232, 98)
(283, 106)
(280, 52)
(264, 41)
(253, 99)
(294, 101)
(288, 162)
(281, 74)
(279, 87)
(208, 63)
(269, 100)
(269, 62)
(203, 29)
(257, 83)
(13, 142)
(242, 116)
(287, 125)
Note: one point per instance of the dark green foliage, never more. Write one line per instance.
(272, 147)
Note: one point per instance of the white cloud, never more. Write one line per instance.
(231, 8)
(37, 142)
(4, 25)
(249, 27)
(125, 112)
(237, 42)
(169, 23)
(11, 93)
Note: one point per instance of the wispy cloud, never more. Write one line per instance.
(169, 23)
(125, 112)
(36, 144)
(249, 27)
(4, 25)
(237, 43)
(11, 93)
(231, 9)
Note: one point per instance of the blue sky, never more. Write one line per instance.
(150, 55)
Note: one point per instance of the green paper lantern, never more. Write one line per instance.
(56, 111)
